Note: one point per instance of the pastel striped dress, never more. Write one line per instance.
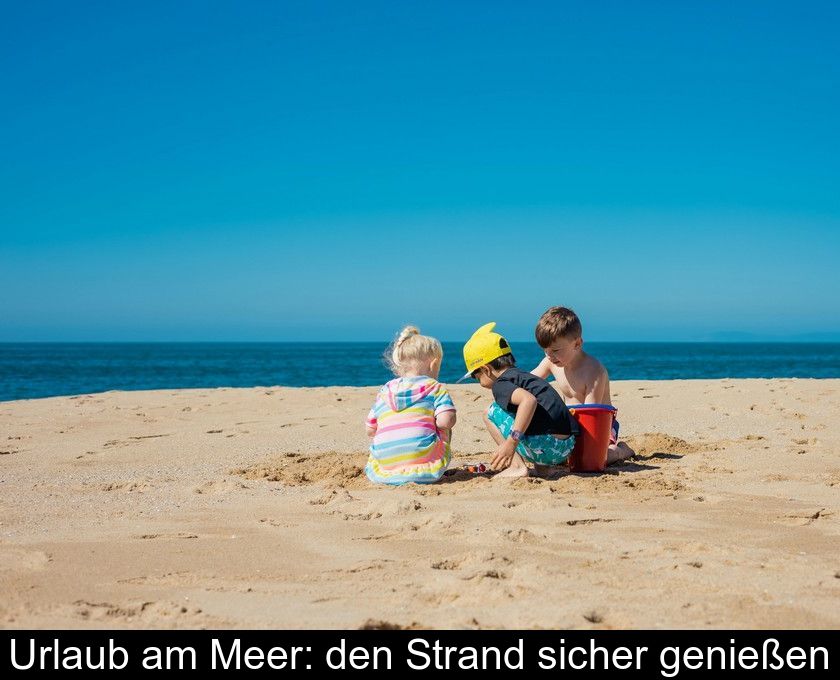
(407, 446)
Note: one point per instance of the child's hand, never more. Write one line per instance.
(503, 455)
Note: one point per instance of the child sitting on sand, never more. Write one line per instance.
(411, 422)
(528, 419)
(579, 377)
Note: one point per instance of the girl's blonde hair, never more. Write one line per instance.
(410, 348)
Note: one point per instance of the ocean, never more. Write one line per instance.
(33, 370)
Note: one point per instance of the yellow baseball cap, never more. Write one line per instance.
(482, 348)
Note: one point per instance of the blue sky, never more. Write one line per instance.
(328, 171)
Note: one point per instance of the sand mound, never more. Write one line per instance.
(651, 443)
(341, 469)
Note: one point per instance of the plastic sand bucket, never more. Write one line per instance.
(590, 452)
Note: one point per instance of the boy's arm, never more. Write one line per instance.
(543, 369)
(526, 405)
(599, 391)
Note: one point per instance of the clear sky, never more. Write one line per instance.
(327, 171)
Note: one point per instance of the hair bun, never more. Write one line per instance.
(407, 332)
(410, 350)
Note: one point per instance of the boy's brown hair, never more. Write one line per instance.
(556, 323)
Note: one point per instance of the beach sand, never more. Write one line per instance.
(248, 508)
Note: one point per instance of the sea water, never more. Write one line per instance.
(31, 370)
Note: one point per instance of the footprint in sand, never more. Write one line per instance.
(86, 453)
(278, 523)
(220, 486)
(370, 565)
(379, 537)
(805, 518)
(179, 535)
(402, 508)
(152, 613)
(476, 566)
(776, 478)
(522, 535)
(362, 516)
(446, 521)
(380, 624)
(339, 495)
(129, 486)
(481, 574)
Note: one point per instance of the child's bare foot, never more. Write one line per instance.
(517, 468)
(619, 452)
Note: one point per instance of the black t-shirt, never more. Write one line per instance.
(551, 416)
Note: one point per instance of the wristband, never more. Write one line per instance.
(516, 435)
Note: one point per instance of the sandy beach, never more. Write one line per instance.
(248, 508)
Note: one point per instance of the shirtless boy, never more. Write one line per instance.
(578, 377)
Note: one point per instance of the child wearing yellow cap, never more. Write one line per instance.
(527, 419)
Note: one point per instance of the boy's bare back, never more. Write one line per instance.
(584, 382)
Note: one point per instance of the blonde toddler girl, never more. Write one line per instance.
(412, 419)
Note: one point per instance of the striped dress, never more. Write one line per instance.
(407, 446)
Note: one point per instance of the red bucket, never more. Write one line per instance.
(590, 452)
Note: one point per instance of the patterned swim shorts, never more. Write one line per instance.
(542, 449)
